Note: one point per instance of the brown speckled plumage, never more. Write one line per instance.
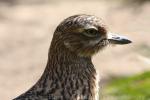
(70, 74)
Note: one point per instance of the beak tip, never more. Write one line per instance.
(126, 41)
(130, 41)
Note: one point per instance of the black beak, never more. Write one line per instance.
(117, 39)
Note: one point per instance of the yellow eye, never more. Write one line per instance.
(91, 32)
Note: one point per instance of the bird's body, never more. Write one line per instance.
(70, 73)
(65, 79)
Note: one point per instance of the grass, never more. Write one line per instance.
(129, 88)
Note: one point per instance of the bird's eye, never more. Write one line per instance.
(91, 32)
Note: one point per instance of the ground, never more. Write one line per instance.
(26, 32)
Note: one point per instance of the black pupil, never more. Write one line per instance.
(92, 32)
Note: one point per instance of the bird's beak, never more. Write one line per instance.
(117, 39)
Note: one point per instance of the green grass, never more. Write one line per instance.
(129, 88)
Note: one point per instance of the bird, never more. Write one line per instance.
(70, 73)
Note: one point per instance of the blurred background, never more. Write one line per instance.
(26, 29)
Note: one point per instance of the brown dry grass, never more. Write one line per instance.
(26, 32)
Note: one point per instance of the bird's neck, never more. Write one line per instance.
(66, 61)
(66, 70)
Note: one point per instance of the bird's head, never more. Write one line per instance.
(85, 35)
